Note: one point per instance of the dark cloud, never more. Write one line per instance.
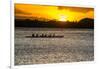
(76, 9)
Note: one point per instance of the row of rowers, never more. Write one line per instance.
(44, 35)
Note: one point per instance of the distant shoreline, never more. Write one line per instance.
(52, 28)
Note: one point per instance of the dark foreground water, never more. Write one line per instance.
(75, 46)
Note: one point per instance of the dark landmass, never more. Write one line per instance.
(84, 23)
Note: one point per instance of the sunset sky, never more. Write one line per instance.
(60, 13)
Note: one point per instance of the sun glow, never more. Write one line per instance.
(62, 18)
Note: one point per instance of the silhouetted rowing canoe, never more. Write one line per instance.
(45, 36)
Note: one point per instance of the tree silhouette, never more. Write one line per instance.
(84, 23)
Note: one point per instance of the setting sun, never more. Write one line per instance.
(62, 18)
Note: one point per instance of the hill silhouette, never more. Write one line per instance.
(86, 20)
(84, 23)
